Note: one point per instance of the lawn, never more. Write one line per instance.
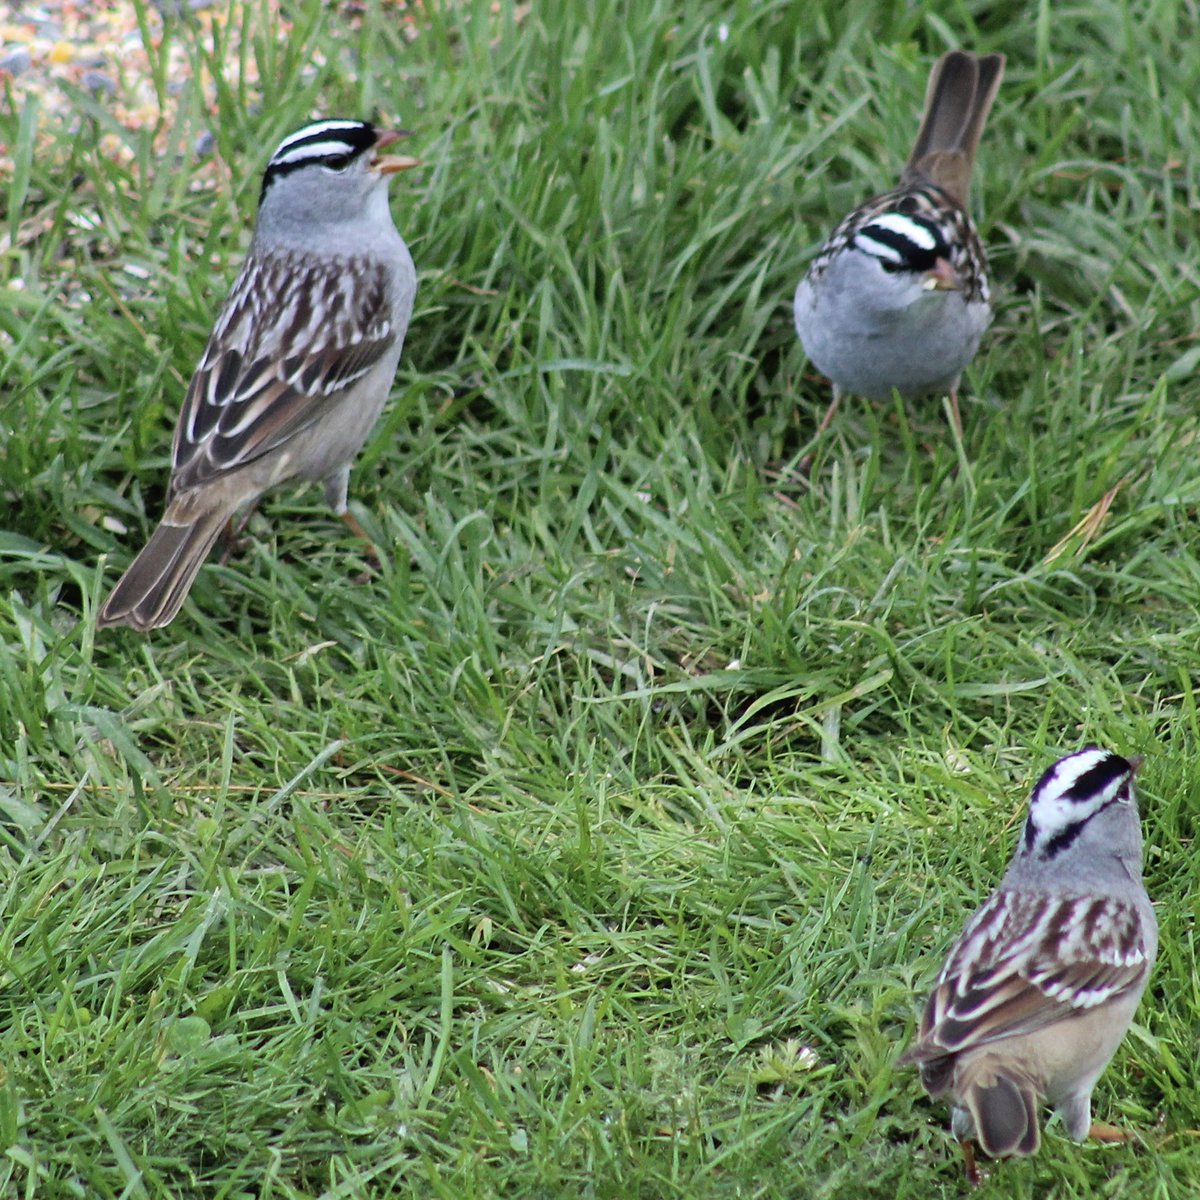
(603, 840)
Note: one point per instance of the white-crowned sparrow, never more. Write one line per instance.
(299, 363)
(1039, 989)
(897, 298)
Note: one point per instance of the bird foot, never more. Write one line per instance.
(803, 469)
(1109, 1135)
(232, 541)
(789, 479)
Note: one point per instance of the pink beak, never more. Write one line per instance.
(389, 164)
(943, 277)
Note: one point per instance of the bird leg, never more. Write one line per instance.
(352, 523)
(974, 1178)
(955, 415)
(804, 466)
(355, 527)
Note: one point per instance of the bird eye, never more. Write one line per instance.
(338, 162)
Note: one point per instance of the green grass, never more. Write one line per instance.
(542, 863)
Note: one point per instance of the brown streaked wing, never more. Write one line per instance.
(290, 338)
(1048, 958)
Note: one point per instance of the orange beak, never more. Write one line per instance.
(389, 164)
(942, 278)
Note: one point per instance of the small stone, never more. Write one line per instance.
(16, 60)
(97, 82)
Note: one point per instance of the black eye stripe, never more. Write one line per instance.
(281, 169)
(1100, 777)
(1094, 780)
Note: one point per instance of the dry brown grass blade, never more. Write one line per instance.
(1088, 526)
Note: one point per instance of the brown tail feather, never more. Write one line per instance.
(961, 90)
(1004, 1107)
(157, 582)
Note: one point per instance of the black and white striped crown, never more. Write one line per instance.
(1072, 792)
(903, 241)
(333, 144)
(909, 231)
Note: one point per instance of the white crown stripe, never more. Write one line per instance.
(1068, 771)
(904, 226)
(317, 129)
